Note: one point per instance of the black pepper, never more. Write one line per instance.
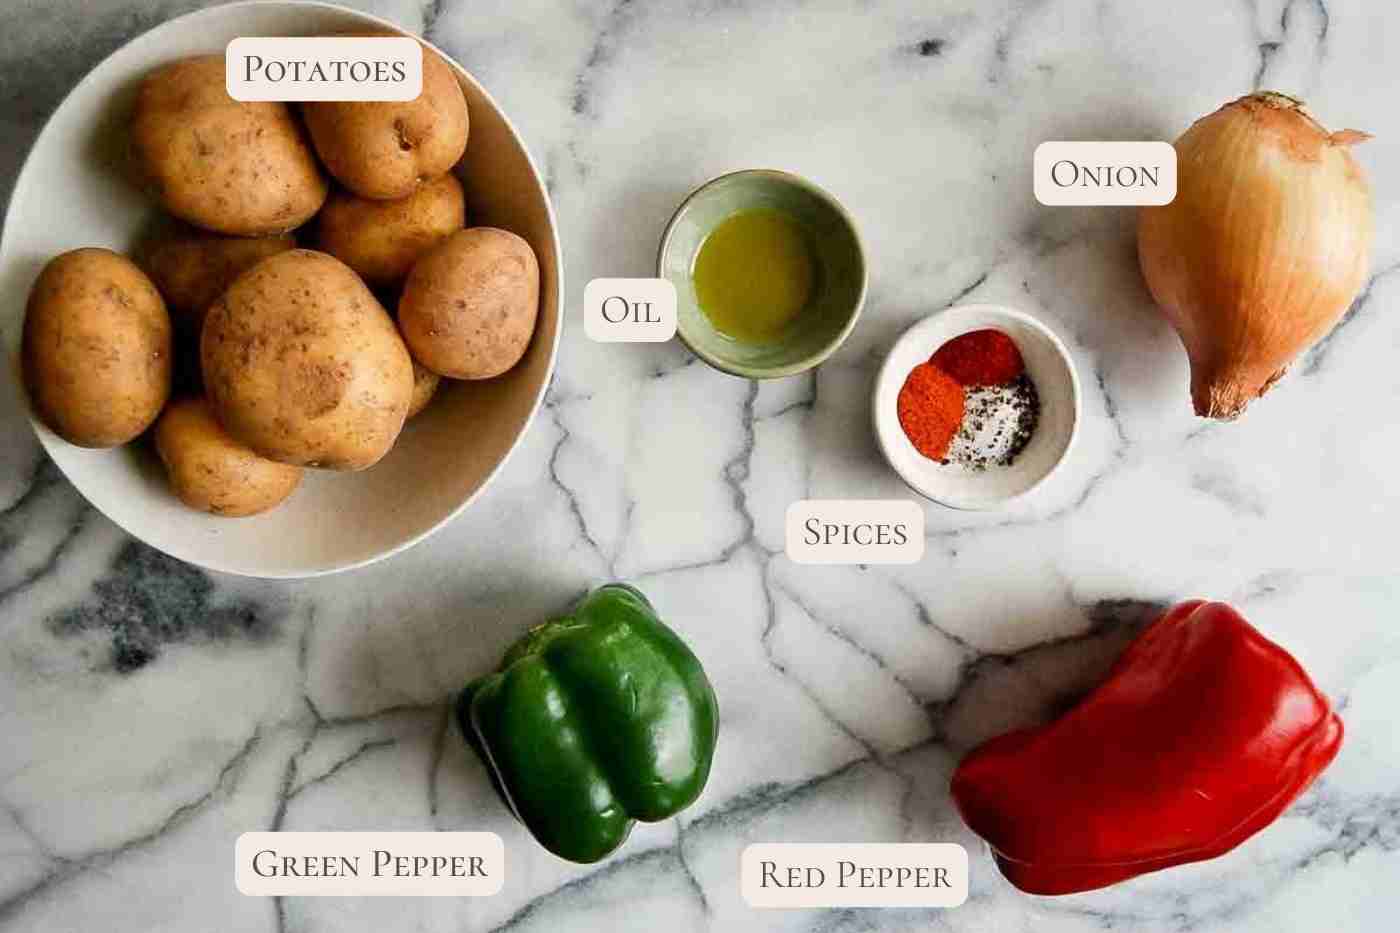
(1010, 411)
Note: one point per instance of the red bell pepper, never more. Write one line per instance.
(1202, 734)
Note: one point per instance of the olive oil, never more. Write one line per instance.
(754, 274)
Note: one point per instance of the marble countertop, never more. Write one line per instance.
(151, 712)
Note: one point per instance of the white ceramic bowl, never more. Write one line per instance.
(72, 192)
(1049, 367)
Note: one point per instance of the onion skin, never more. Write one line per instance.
(1264, 248)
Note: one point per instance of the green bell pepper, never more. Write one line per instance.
(592, 722)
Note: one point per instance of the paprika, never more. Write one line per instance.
(971, 403)
(1203, 733)
(930, 407)
(981, 358)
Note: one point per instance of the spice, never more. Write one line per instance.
(930, 409)
(981, 358)
(971, 403)
(997, 424)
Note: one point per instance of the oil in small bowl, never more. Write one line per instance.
(769, 273)
(754, 274)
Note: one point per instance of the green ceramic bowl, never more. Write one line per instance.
(840, 291)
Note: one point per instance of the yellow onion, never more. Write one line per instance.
(1264, 248)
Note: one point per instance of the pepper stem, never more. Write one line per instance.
(534, 641)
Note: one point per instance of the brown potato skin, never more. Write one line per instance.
(210, 471)
(304, 366)
(381, 240)
(228, 166)
(469, 306)
(386, 149)
(191, 271)
(97, 348)
(425, 386)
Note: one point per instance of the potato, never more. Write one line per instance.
(380, 240)
(191, 271)
(386, 149)
(221, 164)
(210, 471)
(469, 305)
(96, 348)
(425, 386)
(304, 366)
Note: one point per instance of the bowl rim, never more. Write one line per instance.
(48, 440)
(944, 317)
(816, 359)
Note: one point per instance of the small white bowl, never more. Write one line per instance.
(72, 192)
(1049, 367)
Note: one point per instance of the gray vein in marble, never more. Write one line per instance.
(432, 12)
(1225, 487)
(289, 777)
(69, 867)
(772, 795)
(1007, 35)
(1273, 583)
(1369, 822)
(279, 913)
(279, 815)
(549, 167)
(930, 48)
(46, 478)
(968, 289)
(684, 863)
(365, 748)
(444, 730)
(39, 843)
(1204, 429)
(762, 799)
(969, 651)
(315, 723)
(602, 51)
(360, 719)
(766, 639)
(304, 651)
(866, 920)
(738, 469)
(806, 403)
(570, 497)
(735, 472)
(766, 642)
(841, 635)
(1316, 356)
(1108, 618)
(1269, 48)
(42, 477)
(907, 822)
(148, 600)
(291, 785)
(648, 857)
(1110, 408)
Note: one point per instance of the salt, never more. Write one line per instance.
(997, 424)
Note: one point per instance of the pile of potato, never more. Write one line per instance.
(295, 362)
